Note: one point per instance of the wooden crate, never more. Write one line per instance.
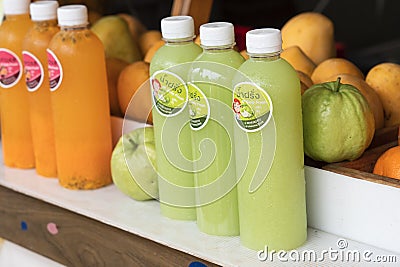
(362, 168)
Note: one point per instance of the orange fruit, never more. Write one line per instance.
(244, 54)
(134, 93)
(136, 28)
(147, 39)
(332, 66)
(305, 81)
(384, 79)
(298, 59)
(153, 49)
(388, 164)
(313, 32)
(368, 92)
(114, 67)
(197, 40)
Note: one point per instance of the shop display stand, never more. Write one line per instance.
(103, 227)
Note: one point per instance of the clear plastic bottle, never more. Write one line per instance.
(44, 16)
(1, 11)
(210, 97)
(15, 124)
(170, 116)
(79, 96)
(272, 204)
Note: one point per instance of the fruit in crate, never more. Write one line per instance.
(299, 61)
(370, 95)
(384, 78)
(114, 33)
(337, 122)
(133, 164)
(305, 81)
(244, 54)
(332, 66)
(388, 164)
(136, 28)
(148, 39)
(134, 93)
(114, 67)
(152, 50)
(313, 33)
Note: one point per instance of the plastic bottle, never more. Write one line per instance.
(1, 11)
(15, 124)
(171, 127)
(210, 97)
(79, 97)
(44, 16)
(267, 108)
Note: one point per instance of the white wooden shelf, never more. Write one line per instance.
(109, 206)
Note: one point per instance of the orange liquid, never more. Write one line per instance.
(14, 105)
(81, 111)
(41, 115)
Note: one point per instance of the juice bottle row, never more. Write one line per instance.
(54, 98)
(228, 134)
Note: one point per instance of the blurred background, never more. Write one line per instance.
(367, 31)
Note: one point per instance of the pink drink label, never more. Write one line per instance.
(10, 68)
(34, 72)
(55, 70)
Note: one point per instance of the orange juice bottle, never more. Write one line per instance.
(44, 16)
(15, 124)
(79, 96)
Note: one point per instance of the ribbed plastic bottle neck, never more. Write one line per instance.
(220, 48)
(12, 17)
(265, 56)
(179, 41)
(74, 27)
(46, 23)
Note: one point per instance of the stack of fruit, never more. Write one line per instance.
(339, 118)
(129, 48)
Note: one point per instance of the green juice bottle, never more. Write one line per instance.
(171, 118)
(211, 121)
(269, 147)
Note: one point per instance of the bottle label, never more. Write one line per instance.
(170, 93)
(252, 106)
(34, 72)
(199, 108)
(55, 70)
(10, 68)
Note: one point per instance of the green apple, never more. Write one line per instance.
(133, 164)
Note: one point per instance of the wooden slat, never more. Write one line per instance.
(200, 10)
(80, 241)
(362, 168)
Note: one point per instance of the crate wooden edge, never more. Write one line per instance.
(362, 167)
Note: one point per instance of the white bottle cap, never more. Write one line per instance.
(16, 7)
(72, 15)
(43, 10)
(217, 34)
(177, 27)
(267, 40)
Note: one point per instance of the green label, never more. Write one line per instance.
(199, 109)
(170, 93)
(252, 106)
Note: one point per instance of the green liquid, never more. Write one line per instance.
(275, 214)
(168, 130)
(219, 217)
